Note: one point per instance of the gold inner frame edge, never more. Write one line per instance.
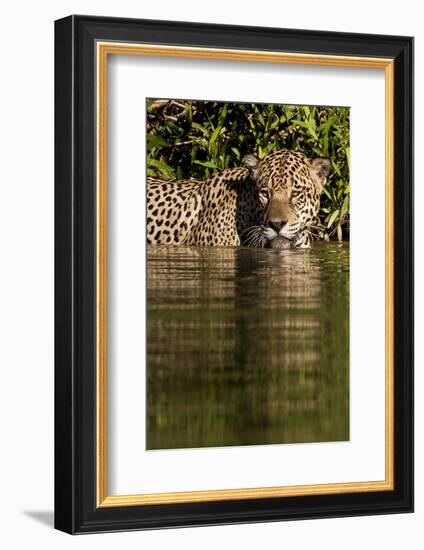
(103, 49)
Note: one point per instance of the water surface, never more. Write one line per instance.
(247, 346)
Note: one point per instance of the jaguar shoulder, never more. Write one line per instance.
(213, 212)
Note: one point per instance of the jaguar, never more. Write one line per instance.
(266, 203)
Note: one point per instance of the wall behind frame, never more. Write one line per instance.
(26, 289)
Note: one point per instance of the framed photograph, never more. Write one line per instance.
(234, 274)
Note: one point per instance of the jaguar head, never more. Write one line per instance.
(289, 185)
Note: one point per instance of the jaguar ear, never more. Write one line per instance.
(322, 168)
(251, 162)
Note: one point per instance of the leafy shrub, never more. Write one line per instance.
(193, 139)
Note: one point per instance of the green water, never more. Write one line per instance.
(247, 346)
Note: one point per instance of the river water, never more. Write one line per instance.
(247, 346)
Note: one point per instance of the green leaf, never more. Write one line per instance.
(347, 151)
(214, 135)
(345, 207)
(274, 124)
(260, 117)
(156, 141)
(206, 163)
(188, 113)
(336, 168)
(332, 218)
(163, 168)
(236, 152)
(309, 125)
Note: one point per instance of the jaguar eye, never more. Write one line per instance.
(264, 192)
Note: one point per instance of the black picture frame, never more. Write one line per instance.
(76, 509)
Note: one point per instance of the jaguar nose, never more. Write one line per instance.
(277, 225)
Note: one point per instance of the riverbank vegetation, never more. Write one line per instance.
(194, 139)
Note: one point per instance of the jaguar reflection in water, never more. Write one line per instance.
(247, 346)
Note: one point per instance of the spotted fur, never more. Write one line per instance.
(214, 212)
